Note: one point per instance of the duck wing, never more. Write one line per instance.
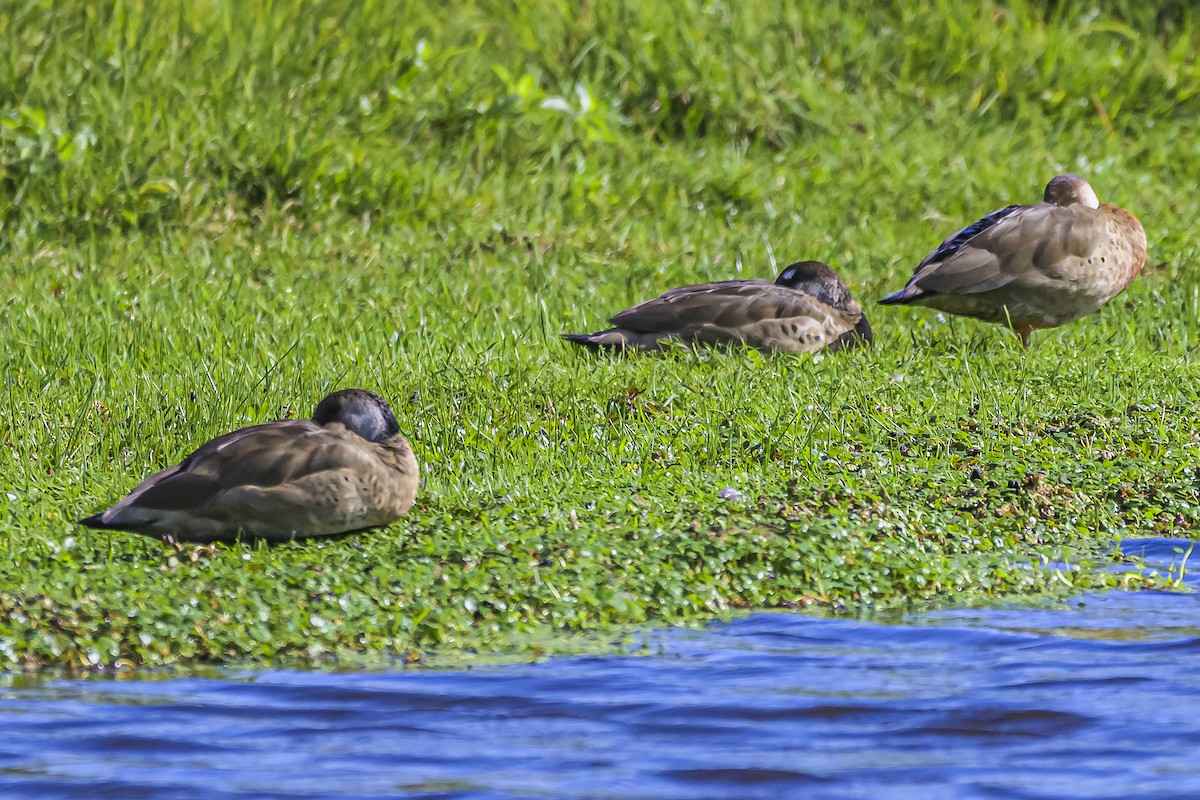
(956, 241)
(757, 313)
(267, 455)
(1019, 244)
(725, 304)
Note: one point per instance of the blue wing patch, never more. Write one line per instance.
(952, 245)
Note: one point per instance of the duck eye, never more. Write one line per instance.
(788, 274)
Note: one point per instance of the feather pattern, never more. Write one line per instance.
(1033, 266)
(952, 244)
(281, 480)
(806, 309)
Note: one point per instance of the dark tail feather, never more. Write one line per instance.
(906, 295)
(588, 340)
(97, 521)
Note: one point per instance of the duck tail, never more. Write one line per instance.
(908, 294)
(98, 521)
(611, 339)
(617, 340)
(588, 340)
(107, 522)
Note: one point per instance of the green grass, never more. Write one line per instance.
(211, 217)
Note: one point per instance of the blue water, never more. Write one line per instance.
(1098, 699)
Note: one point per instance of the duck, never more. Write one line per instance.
(806, 309)
(1033, 266)
(345, 469)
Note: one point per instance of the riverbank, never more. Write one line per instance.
(210, 221)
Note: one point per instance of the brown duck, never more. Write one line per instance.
(346, 469)
(1033, 266)
(807, 308)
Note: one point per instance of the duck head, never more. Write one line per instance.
(362, 412)
(819, 280)
(1068, 189)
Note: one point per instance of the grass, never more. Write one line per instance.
(213, 215)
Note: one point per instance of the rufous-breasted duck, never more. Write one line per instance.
(345, 469)
(1033, 266)
(806, 309)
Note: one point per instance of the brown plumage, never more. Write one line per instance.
(806, 309)
(346, 469)
(1033, 266)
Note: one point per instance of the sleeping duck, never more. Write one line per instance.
(346, 469)
(806, 309)
(1033, 266)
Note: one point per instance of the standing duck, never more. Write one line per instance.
(807, 308)
(1033, 266)
(346, 469)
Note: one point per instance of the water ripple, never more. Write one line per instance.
(1098, 699)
